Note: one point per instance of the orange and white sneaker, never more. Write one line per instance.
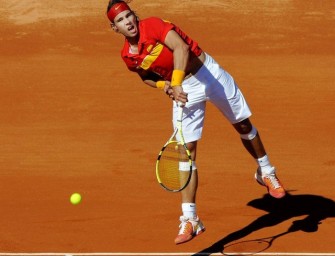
(271, 182)
(189, 228)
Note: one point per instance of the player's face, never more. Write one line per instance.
(126, 23)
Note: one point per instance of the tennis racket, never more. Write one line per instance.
(174, 163)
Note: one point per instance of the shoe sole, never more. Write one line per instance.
(197, 233)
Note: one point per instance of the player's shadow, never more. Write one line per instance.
(317, 208)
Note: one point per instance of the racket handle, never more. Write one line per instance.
(180, 104)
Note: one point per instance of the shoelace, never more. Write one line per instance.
(183, 225)
(274, 181)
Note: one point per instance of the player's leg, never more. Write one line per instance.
(188, 195)
(265, 174)
(224, 93)
(193, 118)
(250, 138)
(190, 224)
(192, 122)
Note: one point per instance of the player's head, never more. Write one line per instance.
(122, 18)
(117, 6)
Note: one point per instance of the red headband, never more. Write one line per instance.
(116, 9)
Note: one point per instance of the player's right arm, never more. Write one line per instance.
(180, 59)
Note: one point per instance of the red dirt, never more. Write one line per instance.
(73, 119)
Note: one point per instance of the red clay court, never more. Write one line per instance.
(73, 119)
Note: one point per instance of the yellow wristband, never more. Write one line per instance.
(177, 77)
(160, 84)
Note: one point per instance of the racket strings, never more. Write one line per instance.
(174, 166)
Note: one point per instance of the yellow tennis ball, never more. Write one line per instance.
(75, 198)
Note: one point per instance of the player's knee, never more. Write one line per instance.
(192, 146)
(185, 166)
(250, 135)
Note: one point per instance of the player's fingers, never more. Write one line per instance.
(182, 97)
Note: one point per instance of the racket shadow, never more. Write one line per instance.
(317, 208)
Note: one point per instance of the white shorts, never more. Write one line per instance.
(211, 83)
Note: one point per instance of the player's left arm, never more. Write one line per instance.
(149, 78)
(156, 81)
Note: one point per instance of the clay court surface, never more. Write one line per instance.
(73, 119)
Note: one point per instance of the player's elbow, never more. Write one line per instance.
(150, 83)
(185, 48)
(182, 51)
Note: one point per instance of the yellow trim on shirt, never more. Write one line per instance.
(152, 56)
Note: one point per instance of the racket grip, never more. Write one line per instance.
(180, 104)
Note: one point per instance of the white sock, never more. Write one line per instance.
(189, 210)
(265, 165)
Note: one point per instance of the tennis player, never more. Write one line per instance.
(168, 59)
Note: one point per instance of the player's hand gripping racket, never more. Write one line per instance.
(174, 163)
